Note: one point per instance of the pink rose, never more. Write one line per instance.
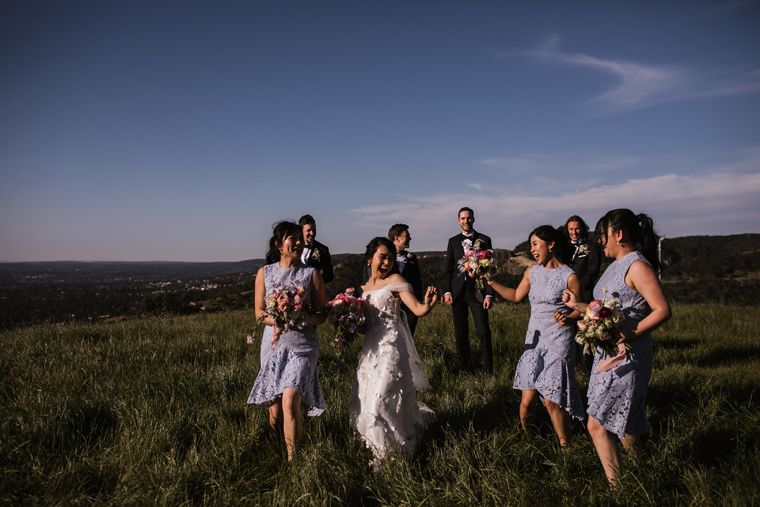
(482, 254)
(582, 325)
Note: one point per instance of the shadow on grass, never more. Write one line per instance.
(728, 355)
(672, 343)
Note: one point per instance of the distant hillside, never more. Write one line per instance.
(712, 256)
(724, 269)
(69, 271)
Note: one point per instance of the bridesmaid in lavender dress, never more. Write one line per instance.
(288, 375)
(547, 367)
(617, 396)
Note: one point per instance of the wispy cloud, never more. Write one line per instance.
(643, 85)
(475, 185)
(720, 202)
(537, 163)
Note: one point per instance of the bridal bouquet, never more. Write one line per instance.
(477, 262)
(287, 305)
(595, 330)
(345, 312)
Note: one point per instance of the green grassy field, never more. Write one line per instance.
(154, 411)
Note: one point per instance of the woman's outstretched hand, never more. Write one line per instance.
(431, 296)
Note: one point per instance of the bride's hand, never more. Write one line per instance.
(431, 296)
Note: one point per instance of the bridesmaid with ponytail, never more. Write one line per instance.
(618, 386)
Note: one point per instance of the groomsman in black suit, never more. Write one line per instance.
(584, 257)
(461, 294)
(408, 267)
(315, 254)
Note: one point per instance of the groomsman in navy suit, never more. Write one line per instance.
(461, 294)
(315, 254)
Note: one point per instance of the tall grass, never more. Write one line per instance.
(154, 412)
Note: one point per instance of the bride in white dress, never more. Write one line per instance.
(383, 403)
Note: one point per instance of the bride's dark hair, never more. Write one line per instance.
(373, 245)
(637, 230)
(551, 235)
(280, 232)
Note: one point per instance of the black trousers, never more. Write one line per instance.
(462, 330)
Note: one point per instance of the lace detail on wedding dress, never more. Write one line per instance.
(383, 403)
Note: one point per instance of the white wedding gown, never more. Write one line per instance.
(383, 403)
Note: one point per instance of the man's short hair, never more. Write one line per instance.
(465, 208)
(396, 230)
(306, 220)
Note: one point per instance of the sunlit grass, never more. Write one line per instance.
(153, 412)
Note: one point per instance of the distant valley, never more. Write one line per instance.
(723, 269)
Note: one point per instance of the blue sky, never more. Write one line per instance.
(181, 130)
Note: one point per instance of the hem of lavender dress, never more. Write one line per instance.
(607, 425)
(312, 410)
(577, 412)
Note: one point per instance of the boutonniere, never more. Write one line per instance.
(315, 254)
(583, 249)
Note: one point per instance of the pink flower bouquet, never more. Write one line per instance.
(596, 329)
(477, 262)
(346, 313)
(287, 305)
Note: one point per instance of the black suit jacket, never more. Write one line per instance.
(411, 274)
(586, 265)
(453, 280)
(319, 259)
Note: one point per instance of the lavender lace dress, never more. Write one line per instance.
(548, 361)
(383, 403)
(293, 361)
(616, 398)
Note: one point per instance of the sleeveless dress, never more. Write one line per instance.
(616, 398)
(548, 361)
(383, 405)
(293, 361)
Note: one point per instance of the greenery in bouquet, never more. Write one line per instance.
(596, 329)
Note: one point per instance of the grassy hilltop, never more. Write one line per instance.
(152, 412)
